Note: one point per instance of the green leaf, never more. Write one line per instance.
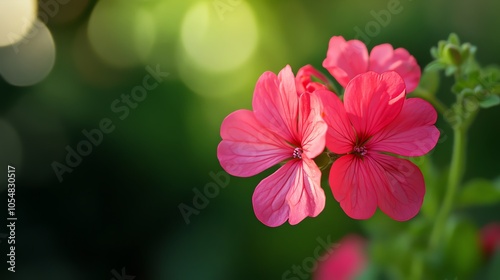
(434, 52)
(494, 266)
(450, 70)
(453, 39)
(467, 51)
(496, 182)
(467, 85)
(491, 74)
(434, 66)
(435, 179)
(440, 48)
(478, 192)
(462, 248)
(490, 101)
(495, 89)
(467, 91)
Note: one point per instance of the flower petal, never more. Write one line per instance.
(490, 239)
(340, 136)
(373, 100)
(311, 127)
(344, 60)
(345, 261)
(403, 189)
(412, 133)
(304, 79)
(293, 192)
(306, 198)
(247, 147)
(384, 58)
(275, 103)
(353, 185)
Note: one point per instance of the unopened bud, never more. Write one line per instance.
(453, 55)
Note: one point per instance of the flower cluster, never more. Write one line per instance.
(367, 134)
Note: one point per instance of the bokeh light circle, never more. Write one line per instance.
(121, 33)
(216, 85)
(219, 40)
(30, 60)
(16, 19)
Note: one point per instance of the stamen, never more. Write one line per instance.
(360, 150)
(297, 153)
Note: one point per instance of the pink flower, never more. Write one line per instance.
(305, 82)
(490, 239)
(283, 126)
(374, 123)
(345, 60)
(345, 262)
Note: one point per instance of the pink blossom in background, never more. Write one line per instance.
(490, 239)
(346, 59)
(283, 126)
(345, 262)
(375, 122)
(305, 81)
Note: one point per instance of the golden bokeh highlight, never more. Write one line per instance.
(16, 19)
(219, 40)
(121, 33)
(30, 60)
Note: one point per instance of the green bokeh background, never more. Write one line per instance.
(120, 207)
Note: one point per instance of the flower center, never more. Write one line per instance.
(361, 151)
(297, 153)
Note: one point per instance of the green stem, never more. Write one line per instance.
(416, 268)
(440, 107)
(454, 178)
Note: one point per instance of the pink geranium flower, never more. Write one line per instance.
(345, 262)
(490, 239)
(375, 122)
(346, 59)
(283, 126)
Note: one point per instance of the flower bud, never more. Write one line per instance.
(453, 55)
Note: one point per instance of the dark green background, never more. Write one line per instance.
(119, 207)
